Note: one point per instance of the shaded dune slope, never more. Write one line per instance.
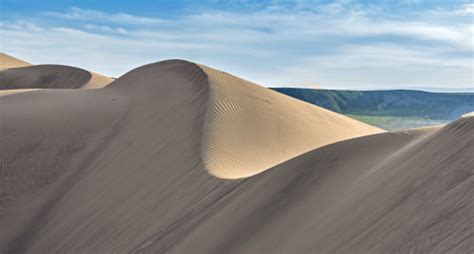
(129, 156)
(121, 169)
(50, 76)
(406, 192)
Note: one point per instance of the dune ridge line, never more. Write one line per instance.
(247, 128)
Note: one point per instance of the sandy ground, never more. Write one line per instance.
(141, 165)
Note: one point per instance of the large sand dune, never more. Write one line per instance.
(50, 76)
(137, 166)
(389, 193)
(18, 74)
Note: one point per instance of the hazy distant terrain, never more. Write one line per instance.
(389, 109)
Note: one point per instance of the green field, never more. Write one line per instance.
(396, 123)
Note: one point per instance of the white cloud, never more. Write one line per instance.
(463, 10)
(76, 13)
(337, 45)
(106, 29)
(467, 9)
(383, 65)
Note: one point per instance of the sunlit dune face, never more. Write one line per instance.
(250, 129)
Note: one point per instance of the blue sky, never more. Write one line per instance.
(330, 44)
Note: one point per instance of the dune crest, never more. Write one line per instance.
(247, 128)
(97, 81)
(250, 128)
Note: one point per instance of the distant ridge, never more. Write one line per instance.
(441, 89)
(389, 109)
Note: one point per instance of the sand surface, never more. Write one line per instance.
(142, 165)
(7, 61)
(50, 76)
(250, 128)
(18, 74)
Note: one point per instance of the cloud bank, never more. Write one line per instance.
(343, 44)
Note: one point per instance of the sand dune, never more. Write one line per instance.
(97, 81)
(407, 192)
(250, 128)
(18, 74)
(50, 76)
(132, 167)
(7, 61)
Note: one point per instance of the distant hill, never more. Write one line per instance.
(441, 89)
(389, 109)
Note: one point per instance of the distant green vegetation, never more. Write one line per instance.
(395, 123)
(391, 109)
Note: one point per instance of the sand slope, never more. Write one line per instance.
(250, 128)
(388, 193)
(50, 76)
(19, 74)
(7, 61)
(97, 81)
(131, 168)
